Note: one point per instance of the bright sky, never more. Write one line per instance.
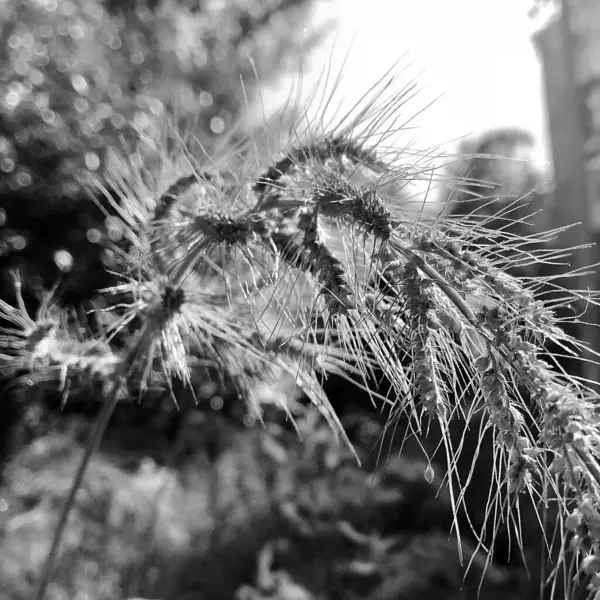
(476, 54)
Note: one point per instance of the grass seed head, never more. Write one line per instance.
(310, 259)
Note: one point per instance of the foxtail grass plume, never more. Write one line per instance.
(306, 254)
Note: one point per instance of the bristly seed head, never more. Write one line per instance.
(402, 297)
(330, 272)
(422, 321)
(362, 208)
(222, 228)
(172, 299)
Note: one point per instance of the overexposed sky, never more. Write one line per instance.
(476, 54)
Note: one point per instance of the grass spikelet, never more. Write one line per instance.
(360, 207)
(49, 352)
(329, 270)
(168, 200)
(338, 153)
(503, 414)
(27, 343)
(421, 319)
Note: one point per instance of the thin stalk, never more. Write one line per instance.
(91, 447)
(99, 428)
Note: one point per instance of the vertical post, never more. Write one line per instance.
(573, 201)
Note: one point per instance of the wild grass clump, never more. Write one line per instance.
(312, 261)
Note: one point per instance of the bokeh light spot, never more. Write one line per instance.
(63, 260)
(217, 125)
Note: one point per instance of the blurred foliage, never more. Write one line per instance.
(80, 77)
(77, 75)
(498, 165)
(501, 184)
(269, 516)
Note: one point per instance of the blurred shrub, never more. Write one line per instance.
(500, 181)
(77, 75)
(269, 516)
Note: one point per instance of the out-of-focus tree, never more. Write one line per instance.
(78, 74)
(540, 9)
(78, 77)
(501, 178)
